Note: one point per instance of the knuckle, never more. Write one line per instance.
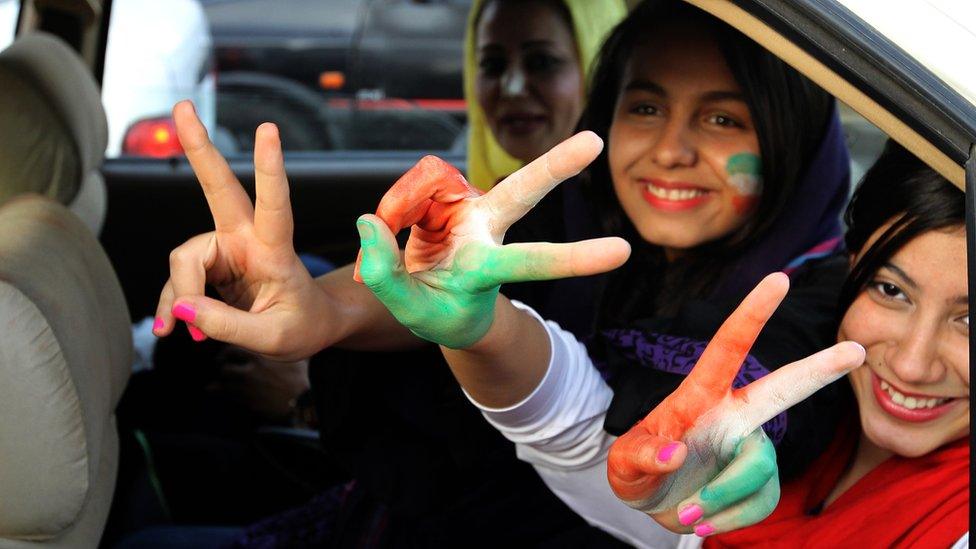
(179, 257)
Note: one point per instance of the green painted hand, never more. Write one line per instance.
(444, 287)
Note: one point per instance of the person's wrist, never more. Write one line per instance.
(499, 331)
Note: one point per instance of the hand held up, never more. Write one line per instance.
(445, 284)
(271, 304)
(699, 461)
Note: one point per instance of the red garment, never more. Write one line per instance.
(904, 502)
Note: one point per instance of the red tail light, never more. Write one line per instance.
(154, 137)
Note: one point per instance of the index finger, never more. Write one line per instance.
(229, 204)
(429, 180)
(520, 192)
(722, 359)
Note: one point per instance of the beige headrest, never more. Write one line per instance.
(51, 109)
(65, 356)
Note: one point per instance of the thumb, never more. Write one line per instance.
(207, 317)
(638, 462)
(381, 266)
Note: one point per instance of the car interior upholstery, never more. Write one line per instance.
(65, 356)
(54, 130)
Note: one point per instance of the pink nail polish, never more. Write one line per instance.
(690, 514)
(185, 312)
(158, 324)
(704, 529)
(195, 333)
(664, 455)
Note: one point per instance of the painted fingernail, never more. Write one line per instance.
(690, 514)
(664, 455)
(184, 312)
(704, 529)
(366, 232)
(195, 333)
(158, 324)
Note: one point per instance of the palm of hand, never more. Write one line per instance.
(703, 447)
(445, 286)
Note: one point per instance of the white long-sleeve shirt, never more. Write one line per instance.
(559, 430)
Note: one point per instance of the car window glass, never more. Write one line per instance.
(8, 21)
(864, 141)
(343, 75)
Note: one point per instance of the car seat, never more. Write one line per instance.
(53, 130)
(65, 356)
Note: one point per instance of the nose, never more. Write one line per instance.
(915, 357)
(674, 146)
(514, 81)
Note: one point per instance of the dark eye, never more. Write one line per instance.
(724, 121)
(492, 66)
(645, 109)
(541, 62)
(887, 290)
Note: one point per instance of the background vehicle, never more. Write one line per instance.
(341, 75)
(157, 54)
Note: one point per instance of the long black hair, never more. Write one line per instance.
(901, 190)
(790, 114)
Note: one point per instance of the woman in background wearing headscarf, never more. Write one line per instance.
(525, 77)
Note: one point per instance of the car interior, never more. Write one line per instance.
(83, 264)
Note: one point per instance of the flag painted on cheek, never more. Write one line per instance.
(745, 175)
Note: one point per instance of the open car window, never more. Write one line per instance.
(344, 75)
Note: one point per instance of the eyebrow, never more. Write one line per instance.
(904, 276)
(958, 300)
(657, 89)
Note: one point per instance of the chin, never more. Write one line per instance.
(902, 441)
(679, 242)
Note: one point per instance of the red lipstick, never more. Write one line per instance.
(917, 415)
(673, 203)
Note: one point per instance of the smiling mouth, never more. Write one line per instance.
(909, 407)
(673, 196)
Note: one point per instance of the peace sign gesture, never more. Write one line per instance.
(249, 258)
(700, 458)
(445, 285)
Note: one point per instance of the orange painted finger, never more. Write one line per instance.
(430, 180)
(638, 461)
(722, 359)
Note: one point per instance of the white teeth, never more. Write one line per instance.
(674, 194)
(911, 403)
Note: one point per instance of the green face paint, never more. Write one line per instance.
(745, 173)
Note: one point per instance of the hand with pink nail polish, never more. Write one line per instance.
(271, 305)
(700, 462)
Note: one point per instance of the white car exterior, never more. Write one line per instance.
(158, 53)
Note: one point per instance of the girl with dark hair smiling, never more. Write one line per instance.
(902, 479)
(723, 165)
